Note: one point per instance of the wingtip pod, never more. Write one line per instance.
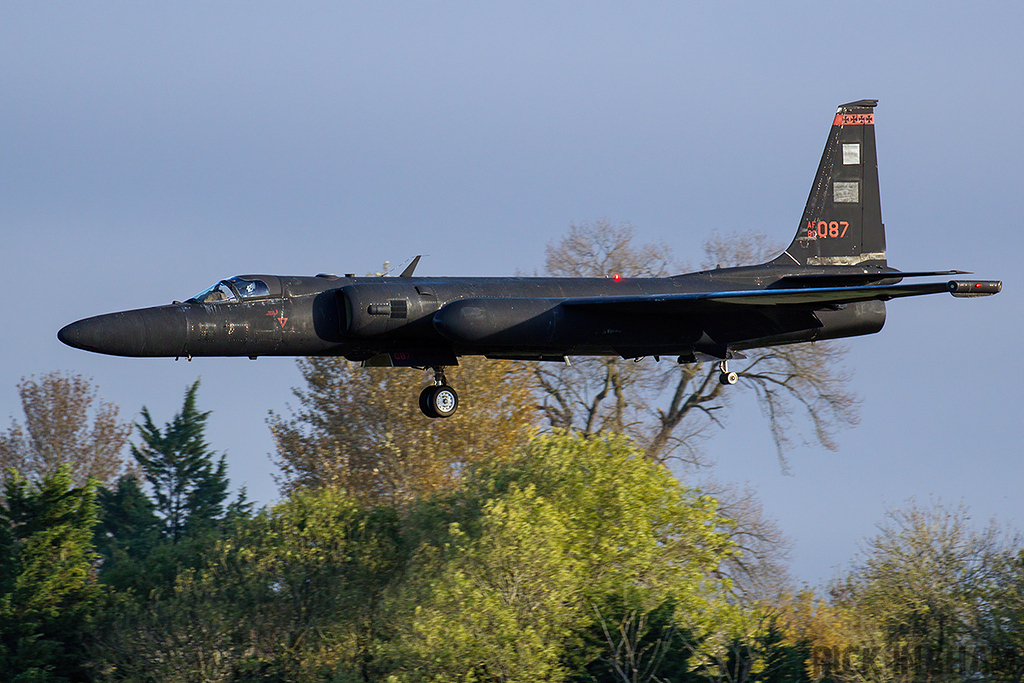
(972, 288)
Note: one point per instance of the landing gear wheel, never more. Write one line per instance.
(439, 401)
(444, 401)
(727, 378)
(425, 397)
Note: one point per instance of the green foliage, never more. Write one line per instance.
(1002, 630)
(929, 596)
(783, 661)
(156, 572)
(514, 570)
(48, 592)
(569, 558)
(189, 487)
(145, 544)
(514, 576)
(127, 533)
(293, 594)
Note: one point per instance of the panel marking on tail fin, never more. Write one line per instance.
(851, 153)
(845, 260)
(846, 192)
(842, 119)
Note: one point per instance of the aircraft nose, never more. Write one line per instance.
(156, 331)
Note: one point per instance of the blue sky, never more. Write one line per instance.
(150, 149)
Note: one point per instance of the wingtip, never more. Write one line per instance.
(973, 288)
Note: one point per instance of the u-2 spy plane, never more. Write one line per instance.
(832, 281)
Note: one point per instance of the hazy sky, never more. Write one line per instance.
(149, 149)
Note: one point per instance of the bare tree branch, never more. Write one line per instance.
(672, 409)
(65, 423)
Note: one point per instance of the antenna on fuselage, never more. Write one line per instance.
(411, 267)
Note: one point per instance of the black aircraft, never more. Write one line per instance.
(832, 281)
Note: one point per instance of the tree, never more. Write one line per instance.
(671, 408)
(575, 559)
(601, 394)
(48, 590)
(758, 569)
(292, 594)
(821, 635)
(361, 429)
(65, 424)
(925, 583)
(517, 575)
(190, 489)
(1002, 630)
(127, 532)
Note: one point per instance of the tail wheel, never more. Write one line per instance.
(439, 401)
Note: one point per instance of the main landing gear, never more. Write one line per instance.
(439, 399)
(727, 378)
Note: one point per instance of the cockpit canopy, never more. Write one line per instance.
(238, 288)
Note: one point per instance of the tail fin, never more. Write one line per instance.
(842, 222)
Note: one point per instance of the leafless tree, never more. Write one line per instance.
(361, 429)
(65, 423)
(759, 570)
(669, 408)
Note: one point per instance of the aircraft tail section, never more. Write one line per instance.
(842, 222)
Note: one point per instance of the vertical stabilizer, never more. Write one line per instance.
(842, 222)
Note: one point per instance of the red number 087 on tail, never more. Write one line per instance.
(823, 229)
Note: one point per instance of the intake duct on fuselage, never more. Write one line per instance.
(375, 309)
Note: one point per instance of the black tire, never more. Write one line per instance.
(426, 404)
(728, 378)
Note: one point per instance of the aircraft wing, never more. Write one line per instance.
(804, 297)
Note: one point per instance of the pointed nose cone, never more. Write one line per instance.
(159, 331)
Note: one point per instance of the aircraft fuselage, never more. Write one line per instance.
(831, 281)
(441, 318)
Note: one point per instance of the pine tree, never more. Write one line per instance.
(189, 487)
(127, 532)
(48, 589)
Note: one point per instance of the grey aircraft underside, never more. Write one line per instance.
(832, 281)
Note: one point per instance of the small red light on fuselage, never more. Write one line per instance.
(616, 277)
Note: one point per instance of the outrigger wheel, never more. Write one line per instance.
(439, 399)
(727, 378)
